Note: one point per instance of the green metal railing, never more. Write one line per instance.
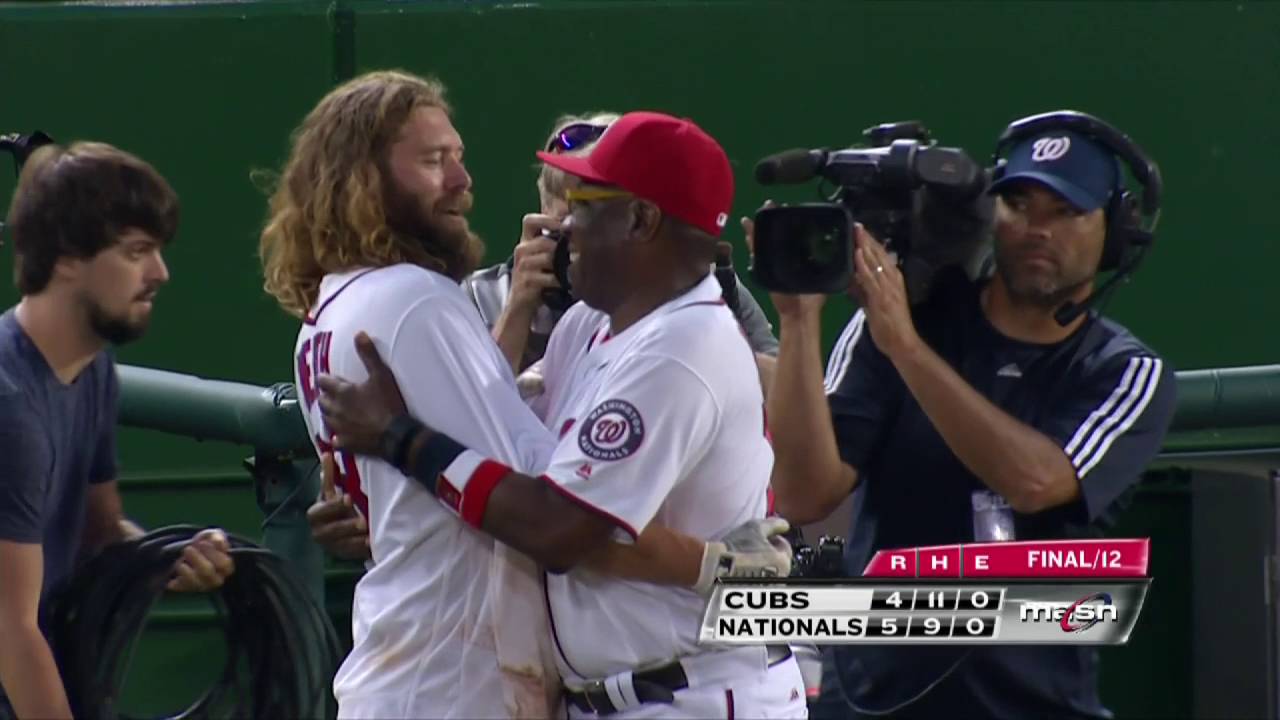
(268, 420)
(1215, 409)
(1228, 398)
(283, 464)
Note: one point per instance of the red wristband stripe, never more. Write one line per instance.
(448, 495)
(475, 495)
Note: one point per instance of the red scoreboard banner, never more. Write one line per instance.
(1043, 559)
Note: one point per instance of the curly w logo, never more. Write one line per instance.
(1047, 149)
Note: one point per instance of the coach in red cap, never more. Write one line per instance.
(644, 224)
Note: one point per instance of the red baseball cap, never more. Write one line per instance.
(668, 161)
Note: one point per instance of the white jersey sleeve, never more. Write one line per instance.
(571, 337)
(653, 418)
(448, 383)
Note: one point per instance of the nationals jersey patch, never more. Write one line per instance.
(612, 431)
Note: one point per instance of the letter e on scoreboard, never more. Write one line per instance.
(977, 562)
(941, 561)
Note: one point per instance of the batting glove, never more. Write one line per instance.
(754, 549)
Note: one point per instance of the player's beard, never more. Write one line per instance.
(116, 330)
(451, 243)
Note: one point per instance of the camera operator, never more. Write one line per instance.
(975, 416)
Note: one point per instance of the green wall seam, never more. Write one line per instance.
(342, 18)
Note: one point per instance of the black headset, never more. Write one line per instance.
(21, 147)
(1128, 238)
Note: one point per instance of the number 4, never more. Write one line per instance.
(895, 599)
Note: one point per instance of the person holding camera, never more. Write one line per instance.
(997, 410)
(522, 298)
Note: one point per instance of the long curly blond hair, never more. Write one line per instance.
(328, 211)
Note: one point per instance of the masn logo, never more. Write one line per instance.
(1072, 617)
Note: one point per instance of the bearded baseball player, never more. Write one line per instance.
(650, 385)
(368, 232)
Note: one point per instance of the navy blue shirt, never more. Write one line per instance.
(1102, 395)
(55, 440)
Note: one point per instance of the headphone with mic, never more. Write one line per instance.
(21, 147)
(1128, 237)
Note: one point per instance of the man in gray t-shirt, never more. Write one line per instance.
(88, 223)
(56, 441)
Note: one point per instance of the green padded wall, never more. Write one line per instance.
(1192, 82)
(209, 92)
(206, 93)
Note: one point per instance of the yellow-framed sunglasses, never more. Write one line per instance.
(589, 194)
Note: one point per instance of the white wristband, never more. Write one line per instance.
(453, 481)
(462, 468)
(714, 555)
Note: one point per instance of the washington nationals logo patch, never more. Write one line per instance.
(612, 431)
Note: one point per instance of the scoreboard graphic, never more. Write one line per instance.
(1077, 592)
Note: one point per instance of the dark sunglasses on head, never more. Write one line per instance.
(572, 137)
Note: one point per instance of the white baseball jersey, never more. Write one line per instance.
(422, 621)
(662, 423)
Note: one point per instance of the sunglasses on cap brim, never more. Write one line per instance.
(575, 136)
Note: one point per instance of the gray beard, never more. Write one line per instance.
(1048, 298)
(1042, 295)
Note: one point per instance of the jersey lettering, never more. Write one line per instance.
(305, 379)
(348, 479)
(313, 360)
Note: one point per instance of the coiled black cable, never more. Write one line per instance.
(282, 650)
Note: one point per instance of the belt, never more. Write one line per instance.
(651, 686)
